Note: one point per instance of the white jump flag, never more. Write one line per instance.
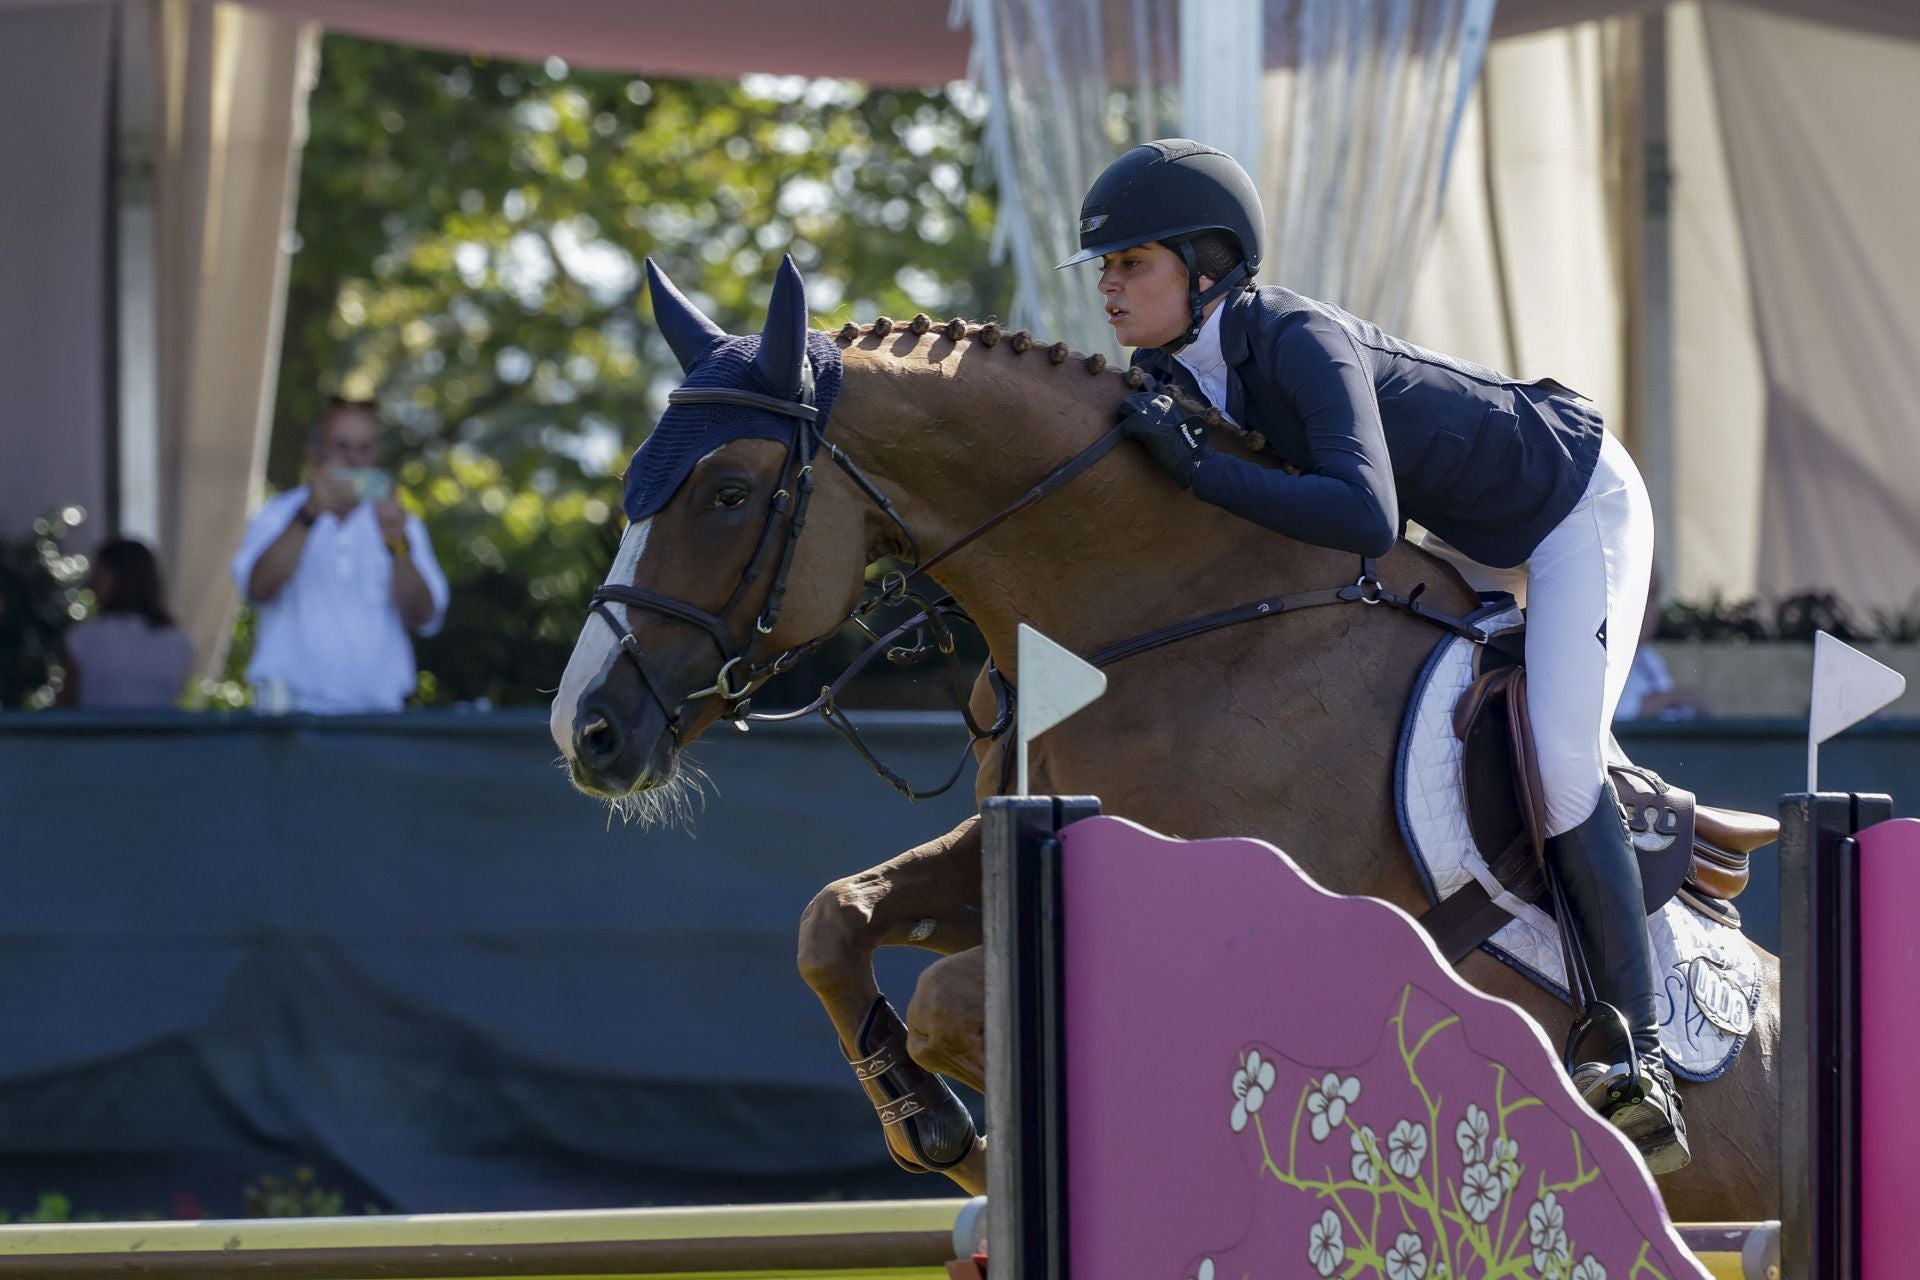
(1848, 686)
(1054, 683)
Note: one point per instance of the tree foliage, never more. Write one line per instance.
(41, 595)
(470, 235)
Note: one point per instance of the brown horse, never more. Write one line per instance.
(1284, 729)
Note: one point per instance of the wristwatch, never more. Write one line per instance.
(398, 547)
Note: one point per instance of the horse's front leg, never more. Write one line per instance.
(926, 897)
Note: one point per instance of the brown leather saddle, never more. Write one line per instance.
(1687, 850)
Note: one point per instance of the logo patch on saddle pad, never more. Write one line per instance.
(1713, 977)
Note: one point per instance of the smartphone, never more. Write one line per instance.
(369, 484)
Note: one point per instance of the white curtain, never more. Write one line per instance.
(1360, 102)
(1824, 158)
(1356, 100)
(1719, 386)
(1070, 85)
(230, 86)
(1525, 270)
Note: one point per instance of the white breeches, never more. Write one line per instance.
(1585, 590)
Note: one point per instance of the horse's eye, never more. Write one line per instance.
(731, 496)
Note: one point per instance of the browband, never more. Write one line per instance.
(745, 399)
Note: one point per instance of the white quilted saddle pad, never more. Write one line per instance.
(1712, 976)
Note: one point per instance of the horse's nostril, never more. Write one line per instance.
(599, 740)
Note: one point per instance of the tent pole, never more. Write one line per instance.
(135, 408)
(1652, 335)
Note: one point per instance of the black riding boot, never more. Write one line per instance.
(1599, 875)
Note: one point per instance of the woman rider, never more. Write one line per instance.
(1504, 475)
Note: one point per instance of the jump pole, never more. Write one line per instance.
(877, 1240)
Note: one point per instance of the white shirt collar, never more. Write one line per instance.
(1204, 361)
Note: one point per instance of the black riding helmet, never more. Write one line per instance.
(1174, 191)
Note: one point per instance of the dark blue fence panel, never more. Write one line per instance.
(403, 950)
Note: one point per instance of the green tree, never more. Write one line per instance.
(470, 235)
(41, 594)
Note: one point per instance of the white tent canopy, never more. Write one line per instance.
(1780, 447)
(1746, 325)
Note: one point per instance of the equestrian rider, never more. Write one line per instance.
(1503, 475)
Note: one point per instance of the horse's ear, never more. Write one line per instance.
(783, 343)
(690, 334)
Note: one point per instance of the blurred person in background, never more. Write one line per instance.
(342, 579)
(129, 656)
(1650, 693)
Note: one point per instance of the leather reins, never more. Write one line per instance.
(739, 675)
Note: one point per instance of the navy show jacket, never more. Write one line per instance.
(1383, 431)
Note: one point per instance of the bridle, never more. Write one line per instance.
(741, 671)
(740, 674)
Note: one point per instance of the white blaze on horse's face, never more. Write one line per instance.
(595, 652)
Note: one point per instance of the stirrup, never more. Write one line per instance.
(1637, 1096)
(1599, 1016)
(915, 1106)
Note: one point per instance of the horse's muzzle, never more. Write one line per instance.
(616, 752)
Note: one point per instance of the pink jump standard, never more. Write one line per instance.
(1230, 1072)
(1889, 1045)
(1203, 1066)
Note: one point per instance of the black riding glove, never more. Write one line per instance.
(1177, 440)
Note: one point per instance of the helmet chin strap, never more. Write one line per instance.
(1197, 299)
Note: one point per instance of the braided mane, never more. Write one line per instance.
(1020, 341)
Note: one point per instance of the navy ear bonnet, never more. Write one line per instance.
(687, 433)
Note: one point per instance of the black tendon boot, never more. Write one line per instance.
(928, 1128)
(1599, 877)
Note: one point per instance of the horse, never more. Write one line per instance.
(1284, 728)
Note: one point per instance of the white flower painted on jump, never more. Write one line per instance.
(1250, 1085)
(1328, 1103)
(1407, 1260)
(1206, 1271)
(1480, 1192)
(1547, 1214)
(1407, 1148)
(1366, 1155)
(1470, 1135)
(1325, 1247)
(1506, 1161)
(1547, 1233)
(1589, 1269)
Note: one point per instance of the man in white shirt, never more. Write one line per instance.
(341, 577)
